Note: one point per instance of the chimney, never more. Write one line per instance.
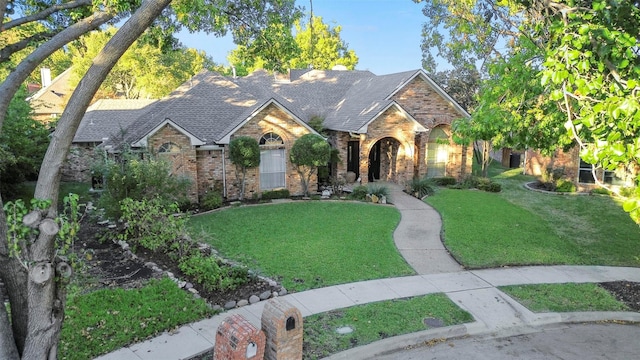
(45, 77)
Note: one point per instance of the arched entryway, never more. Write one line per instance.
(437, 152)
(383, 160)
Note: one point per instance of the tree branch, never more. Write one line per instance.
(20, 73)
(7, 51)
(43, 14)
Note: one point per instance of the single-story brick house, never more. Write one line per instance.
(390, 128)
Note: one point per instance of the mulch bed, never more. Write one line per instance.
(107, 265)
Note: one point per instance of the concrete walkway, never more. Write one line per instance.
(418, 238)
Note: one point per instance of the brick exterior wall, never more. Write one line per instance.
(282, 325)
(183, 162)
(271, 119)
(406, 147)
(210, 169)
(238, 339)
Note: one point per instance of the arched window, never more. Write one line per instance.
(437, 153)
(168, 147)
(271, 139)
(273, 165)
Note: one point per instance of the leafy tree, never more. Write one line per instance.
(308, 153)
(272, 50)
(317, 45)
(592, 71)
(461, 84)
(145, 70)
(244, 152)
(22, 145)
(321, 47)
(37, 302)
(584, 57)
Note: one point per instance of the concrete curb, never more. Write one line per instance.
(434, 336)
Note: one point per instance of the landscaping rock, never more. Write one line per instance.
(265, 295)
(230, 305)
(282, 292)
(242, 303)
(254, 299)
(188, 286)
(275, 294)
(272, 283)
(193, 291)
(150, 265)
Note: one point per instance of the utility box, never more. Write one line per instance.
(282, 325)
(238, 339)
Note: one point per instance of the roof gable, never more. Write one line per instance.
(439, 90)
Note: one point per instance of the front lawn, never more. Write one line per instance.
(308, 244)
(377, 321)
(564, 297)
(523, 227)
(106, 320)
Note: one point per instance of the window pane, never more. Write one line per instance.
(272, 169)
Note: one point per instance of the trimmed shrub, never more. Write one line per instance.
(444, 181)
(565, 186)
(276, 194)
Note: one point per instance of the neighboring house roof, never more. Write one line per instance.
(108, 118)
(210, 107)
(52, 99)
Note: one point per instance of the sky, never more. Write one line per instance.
(385, 34)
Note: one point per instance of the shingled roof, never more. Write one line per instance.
(209, 107)
(107, 118)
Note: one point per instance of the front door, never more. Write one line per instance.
(374, 162)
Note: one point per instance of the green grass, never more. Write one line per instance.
(308, 244)
(523, 227)
(82, 189)
(376, 321)
(106, 320)
(564, 297)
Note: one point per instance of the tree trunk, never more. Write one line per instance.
(9, 340)
(46, 297)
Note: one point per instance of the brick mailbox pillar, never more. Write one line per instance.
(238, 339)
(282, 325)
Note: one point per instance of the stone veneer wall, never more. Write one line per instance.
(77, 167)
